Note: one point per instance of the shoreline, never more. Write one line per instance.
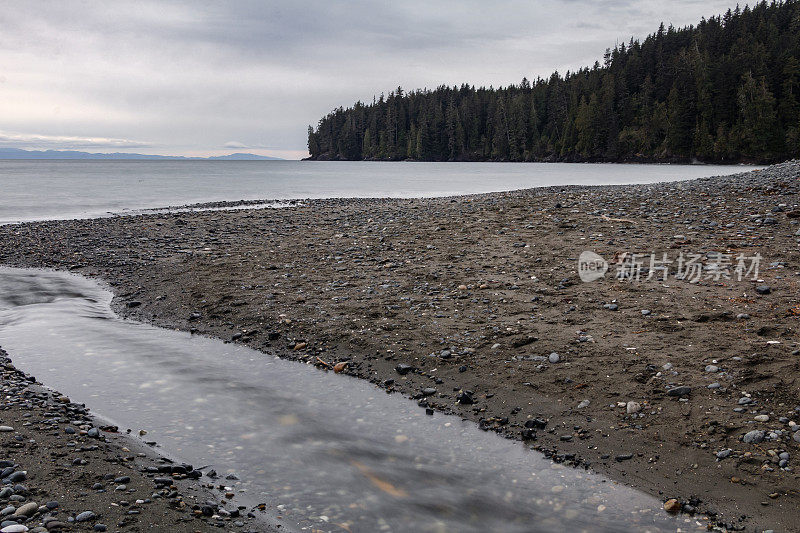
(388, 275)
(77, 471)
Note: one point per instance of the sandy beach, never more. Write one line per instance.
(685, 385)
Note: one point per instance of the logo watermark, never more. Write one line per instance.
(691, 267)
(591, 266)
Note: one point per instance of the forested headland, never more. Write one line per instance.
(725, 90)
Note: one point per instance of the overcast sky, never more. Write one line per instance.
(197, 78)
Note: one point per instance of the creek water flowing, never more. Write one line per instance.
(323, 451)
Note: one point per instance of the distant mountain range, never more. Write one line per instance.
(16, 153)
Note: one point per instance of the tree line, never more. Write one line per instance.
(725, 90)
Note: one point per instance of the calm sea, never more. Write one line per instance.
(36, 190)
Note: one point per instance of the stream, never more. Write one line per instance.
(323, 451)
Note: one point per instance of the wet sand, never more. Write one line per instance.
(477, 293)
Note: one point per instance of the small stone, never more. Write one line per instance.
(403, 369)
(554, 358)
(744, 400)
(679, 391)
(633, 407)
(6, 428)
(14, 528)
(763, 289)
(761, 418)
(85, 516)
(753, 437)
(20, 475)
(465, 398)
(611, 307)
(645, 312)
(672, 506)
(722, 454)
(712, 368)
(100, 527)
(27, 509)
(583, 404)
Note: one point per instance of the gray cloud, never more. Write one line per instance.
(66, 142)
(191, 76)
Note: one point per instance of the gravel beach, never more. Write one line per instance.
(63, 469)
(685, 387)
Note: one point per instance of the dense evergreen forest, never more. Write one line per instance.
(725, 90)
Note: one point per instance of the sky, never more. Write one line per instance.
(210, 78)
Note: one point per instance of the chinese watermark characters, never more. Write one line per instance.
(691, 267)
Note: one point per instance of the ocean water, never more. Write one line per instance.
(37, 190)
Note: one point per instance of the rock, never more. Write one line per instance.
(554, 358)
(623, 457)
(633, 407)
(672, 506)
(744, 400)
(712, 368)
(14, 528)
(339, 367)
(93, 432)
(611, 307)
(535, 423)
(722, 454)
(465, 398)
(763, 289)
(27, 510)
(645, 312)
(753, 437)
(20, 475)
(100, 527)
(583, 404)
(761, 418)
(6, 428)
(743, 316)
(679, 391)
(85, 516)
(667, 366)
(403, 369)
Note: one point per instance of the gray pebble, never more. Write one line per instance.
(753, 437)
